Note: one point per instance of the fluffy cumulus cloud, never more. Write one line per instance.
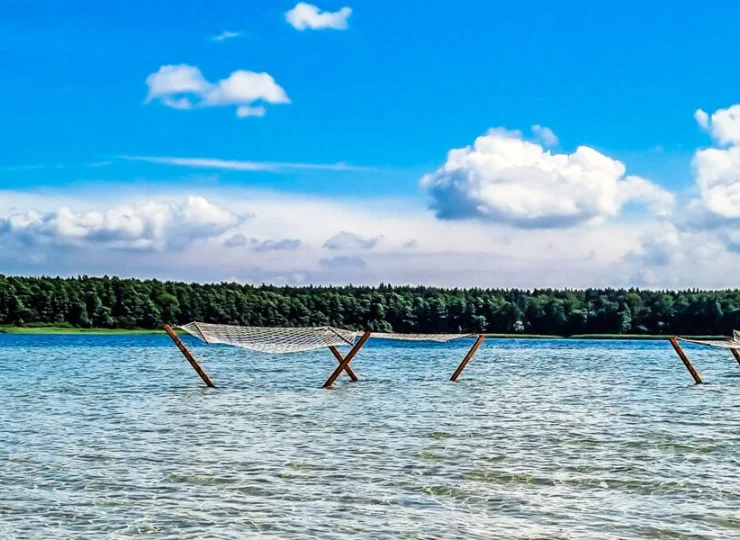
(347, 241)
(505, 178)
(717, 169)
(545, 135)
(155, 226)
(723, 125)
(307, 16)
(184, 87)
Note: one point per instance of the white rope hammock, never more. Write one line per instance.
(438, 338)
(729, 343)
(279, 340)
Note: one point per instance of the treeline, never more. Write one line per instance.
(110, 302)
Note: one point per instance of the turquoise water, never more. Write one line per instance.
(115, 437)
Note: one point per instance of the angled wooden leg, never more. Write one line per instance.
(346, 360)
(339, 358)
(189, 357)
(468, 357)
(685, 360)
(736, 355)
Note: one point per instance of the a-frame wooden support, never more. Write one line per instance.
(344, 362)
(686, 361)
(468, 357)
(189, 357)
(340, 359)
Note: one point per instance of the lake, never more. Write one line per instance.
(116, 437)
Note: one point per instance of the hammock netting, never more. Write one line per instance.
(730, 343)
(286, 340)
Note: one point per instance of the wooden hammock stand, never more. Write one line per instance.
(686, 361)
(689, 366)
(344, 361)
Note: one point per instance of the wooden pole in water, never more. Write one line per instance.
(468, 357)
(189, 357)
(736, 355)
(339, 358)
(346, 360)
(685, 360)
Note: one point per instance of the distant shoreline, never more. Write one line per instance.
(64, 330)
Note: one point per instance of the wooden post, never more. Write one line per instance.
(346, 360)
(685, 360)
(339, 358)
(736, 355)
(189, 357)
(468, 357)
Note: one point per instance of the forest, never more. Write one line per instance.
(116, 303)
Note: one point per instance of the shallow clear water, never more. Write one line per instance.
(113, 437)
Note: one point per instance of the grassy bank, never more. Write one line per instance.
(63, 330)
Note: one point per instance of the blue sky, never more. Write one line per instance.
(387, 95)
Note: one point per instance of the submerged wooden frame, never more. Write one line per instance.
(685, 359)
(188, 356)
(468, 357)
(344, 361)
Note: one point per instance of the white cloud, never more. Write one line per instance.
(346, 241)
(717, 171)
(504, 178)
(723, 125)
(237, 240)
(612, 253)
(205, 163)
(702, 119)
(304, 16)
(227, 34)
(155, 226)
(181, 104)
(245, 111)
(184, 87)
(545, 135)
(239, 165)
(634, 189)
(702, 239)
(245, 87)
(277, 245)
(667, 256)
(173, 80)
(241, 240)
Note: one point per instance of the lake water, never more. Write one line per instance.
(115, 437)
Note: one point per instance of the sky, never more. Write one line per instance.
(474, 143)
